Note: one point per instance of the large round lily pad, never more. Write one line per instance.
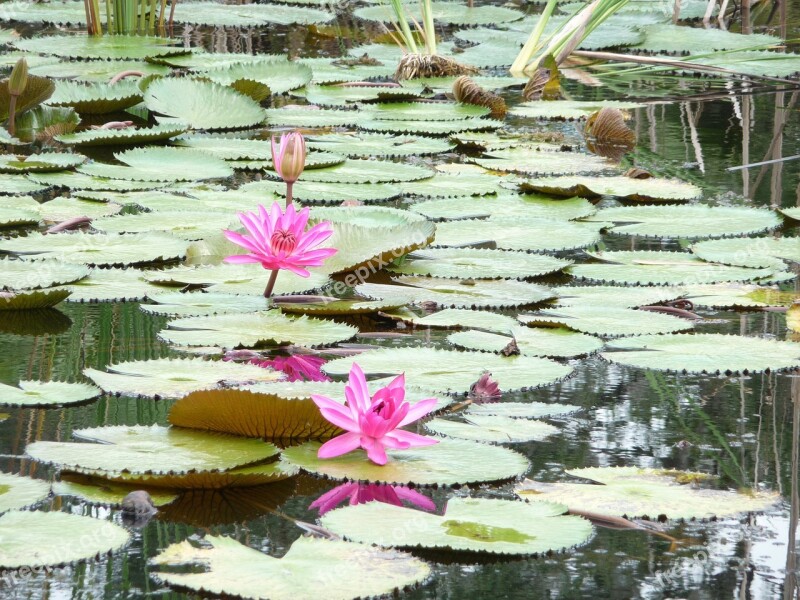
(468, 525)
(102, 249)
(524, 205)
(492, 429)
(634, 492)
(157, 450)
(450, 462)
(695, 221)
(464, 293)
(38, 539)
(654, 267)
(704, 353)
(531, 341)
(607, 321)
(17, 491)
(46, 393)
(175, 377)
(750, 252)
(223, 566)
(255, 330)
(201, 104)
(453, 371)
(162, 164)
(477, 263)
(643, 190)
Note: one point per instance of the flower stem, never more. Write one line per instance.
(289, 185)
(271, 283)
(12, 113)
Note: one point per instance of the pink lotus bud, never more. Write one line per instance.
(289, 156)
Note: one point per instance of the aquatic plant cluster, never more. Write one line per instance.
(361, 268)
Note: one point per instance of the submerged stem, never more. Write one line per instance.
(271, 283)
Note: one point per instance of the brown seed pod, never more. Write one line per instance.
(607, 134)
(467, 91)
(414, 66)
(545, 83)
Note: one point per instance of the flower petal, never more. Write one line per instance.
(419, 410)
(339, 445)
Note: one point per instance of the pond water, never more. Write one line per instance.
(743, 428)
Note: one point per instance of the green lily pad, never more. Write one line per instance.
(37, 539)
(162, 164)
(556, 342)
(13, 185)
(95, 98)
(518, 233)
(653, 267)
(634, 492)
(279, 76)
(615, 296)
(95, 70)
(607, 321)
(359, 145)
(309, 117)
(175, 377)
(704, 353)
(31, 300)
(313, 192)
(235, 279)
(240, 477)
(105, 47)
(428, 128)
(695, 221)
(51, 161)
(521, 410)
(449, 185)
(641, 190)
(337, 307)
(201, 104)
(97, 248)
(194, 225)
(17, 491)
(423, 111)
(492, 429)
(531, 161)
(178, 304)
(477, 264)
(21, 275)
(157, 450)
(457, 318)
(468, 525)
(111, 285)
(450, 371)
(113, 137)
(675, 39)
(360, 171)
(19, 210)
(47, 393)
(80, 181)
(737, 295)
(450, 462)
(342, 95)
(466, 293)
(255, 330)
(749, 252)
(230, 568)
(526, 205)
(103, 492)
(62, 208)
(567, 110)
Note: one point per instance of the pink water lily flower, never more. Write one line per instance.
(361, 493)
(289, 156)
(373, 422)
(278, 240)
(300, 367)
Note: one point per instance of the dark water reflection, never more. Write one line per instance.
(745, 429)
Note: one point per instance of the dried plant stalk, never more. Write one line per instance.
(467, 91)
